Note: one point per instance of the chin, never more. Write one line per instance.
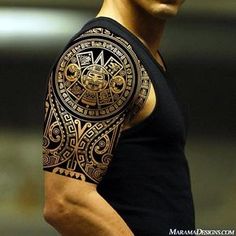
(165, 11)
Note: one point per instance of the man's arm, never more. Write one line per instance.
(77, 154)
(90, 94)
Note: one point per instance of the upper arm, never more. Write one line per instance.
(93, 90)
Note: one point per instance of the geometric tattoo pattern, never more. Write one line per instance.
(97, 85)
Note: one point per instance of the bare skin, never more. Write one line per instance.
(74, 207)
(145, 19)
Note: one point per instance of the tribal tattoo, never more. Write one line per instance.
(96, 86)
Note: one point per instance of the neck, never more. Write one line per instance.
(147, 28)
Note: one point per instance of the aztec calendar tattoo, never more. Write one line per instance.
(98, 84)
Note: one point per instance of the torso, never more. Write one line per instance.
(148, 181)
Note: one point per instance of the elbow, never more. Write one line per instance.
(60, 211)
(63, 203)
(55, 212)
(48, 215)
(63, 215)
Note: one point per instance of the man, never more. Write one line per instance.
(114, 135)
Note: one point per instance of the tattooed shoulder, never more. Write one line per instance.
(97, 84)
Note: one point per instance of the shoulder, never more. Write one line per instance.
(96, 86)
(98, 75)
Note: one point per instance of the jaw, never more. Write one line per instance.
(164, 10)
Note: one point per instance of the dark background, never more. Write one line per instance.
(200, 51)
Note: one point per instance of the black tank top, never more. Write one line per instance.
(148, 181)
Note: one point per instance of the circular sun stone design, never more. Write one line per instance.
(95, 78)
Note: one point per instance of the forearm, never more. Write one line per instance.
(81, 211)
(98, 218)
